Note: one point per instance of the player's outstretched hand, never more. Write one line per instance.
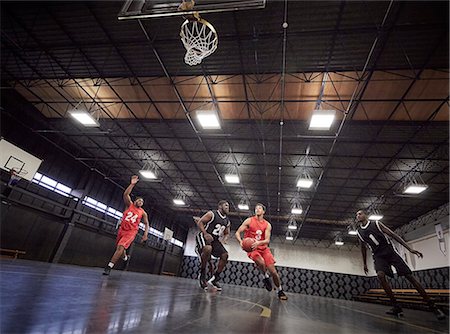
(419, 254)
(254, 245)
(134, 179)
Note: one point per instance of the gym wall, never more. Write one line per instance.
(334, 272)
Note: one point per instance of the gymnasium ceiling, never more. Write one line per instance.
(382, 66)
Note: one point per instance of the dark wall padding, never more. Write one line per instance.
(37, 234)
(312, 282)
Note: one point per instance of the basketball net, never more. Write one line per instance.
(198, 36)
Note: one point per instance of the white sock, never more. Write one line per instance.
(279, 288)
(266, 275)
(125, 257)
(110, 264)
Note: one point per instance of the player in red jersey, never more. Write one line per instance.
(258, 228)
(129, 226)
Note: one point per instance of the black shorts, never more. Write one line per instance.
(217, 247)
(383, 262)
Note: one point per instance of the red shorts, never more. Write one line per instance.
(265, 253)
(125, 238)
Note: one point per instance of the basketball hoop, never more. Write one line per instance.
(198, 35)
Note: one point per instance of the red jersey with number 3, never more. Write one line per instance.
(131, 218)
(257, 230)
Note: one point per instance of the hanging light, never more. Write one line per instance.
(178, 201)
(304, 182)
(208, 119)
(375, 216)
(148, 174)
(338, 241)
(292, 224)
(296, 209)
(232, 178)
(84, 117)
(322, 119)
(243, 205)
(289, 235)
(415, 188)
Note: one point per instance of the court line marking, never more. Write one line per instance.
(266, 311)
(393, 320)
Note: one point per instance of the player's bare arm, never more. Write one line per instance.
(397, 238)
(201, 225)
(245, 225)
(127, 192)
(364, 256)
(145, 219)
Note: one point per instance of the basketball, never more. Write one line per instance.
(247, 244)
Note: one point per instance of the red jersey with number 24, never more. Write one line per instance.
(131, 218)
(257, 230)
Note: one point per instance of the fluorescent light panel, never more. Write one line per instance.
(415, 188)
(292, 227)
(243, 207)
(304, 183)
(322, 119)
(352, 232)
(232, 178)
(376, 217)
(296, 211)
(148, 174)
(84, 118)
(208, 120)
(178, 201)
(289, 238)
(338, 243)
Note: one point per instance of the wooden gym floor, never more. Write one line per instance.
(41, 297)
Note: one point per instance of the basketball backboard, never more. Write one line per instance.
(140, 9)
(13, 157)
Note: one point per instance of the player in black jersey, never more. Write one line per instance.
(377, 236)
(214, 226)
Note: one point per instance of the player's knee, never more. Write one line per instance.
(272, 270)
(381, 275)
(224, 257)
(207, 249)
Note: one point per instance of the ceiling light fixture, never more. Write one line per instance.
(208, 119)
(289, 235)
(304, 183)
(232, 178)
(322, 119)
(148, 174)
(178, 201)
(243, 206)
(292, 224)
(415, 188)
(296, 209)
(84, 117)
(376, 216)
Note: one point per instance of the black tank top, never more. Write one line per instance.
(217, 224)
(373, 236)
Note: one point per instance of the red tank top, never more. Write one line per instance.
(257, 230)
(131, 218)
